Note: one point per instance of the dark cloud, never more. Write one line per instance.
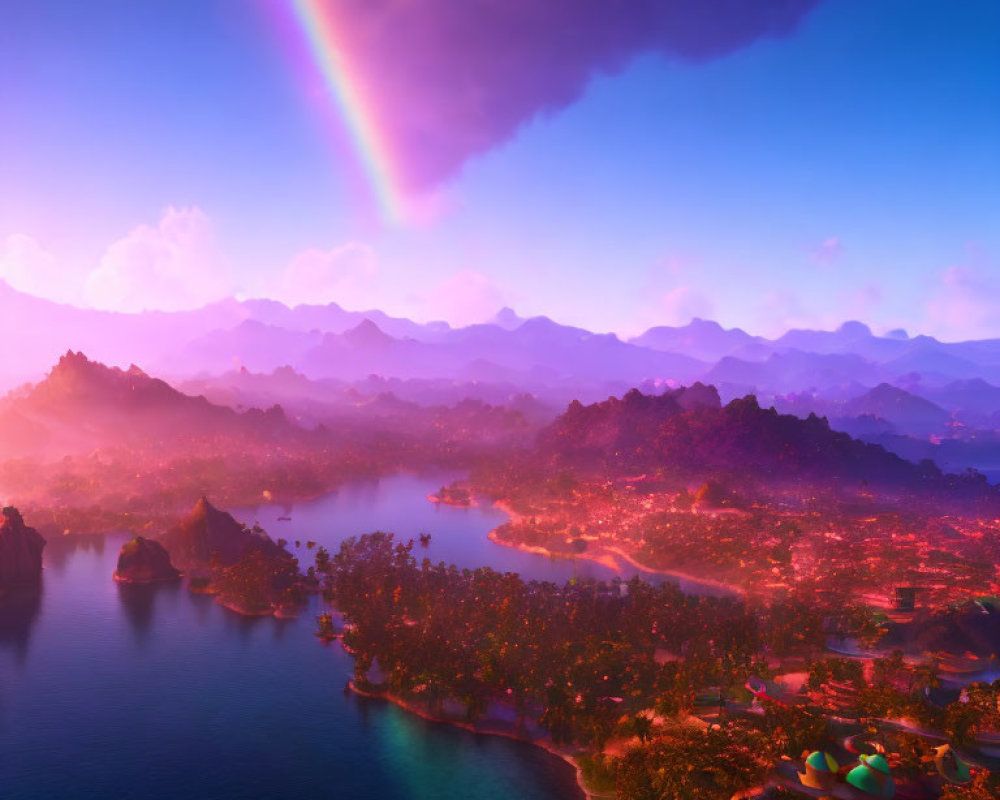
(452, 78)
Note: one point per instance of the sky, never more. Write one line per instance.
(770, 164)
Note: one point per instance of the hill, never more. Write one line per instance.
(207, 534)
(83, 404)
(904, 410)
(746, 445)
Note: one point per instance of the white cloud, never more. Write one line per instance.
(965, 304)
(783, 310)
(683, 303)
(345, 275)
(678, 306)
(171, 266)
(28, 267)
(465, 298)
(863, 303)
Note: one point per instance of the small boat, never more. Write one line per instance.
(284, 519)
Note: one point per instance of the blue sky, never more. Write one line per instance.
(847, 169)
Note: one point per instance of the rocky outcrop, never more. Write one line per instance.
(208, 536)
(20, 551)
(144, 561)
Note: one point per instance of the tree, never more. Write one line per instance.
(695, 765)
(984, 786)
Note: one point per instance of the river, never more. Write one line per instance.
(110, 691)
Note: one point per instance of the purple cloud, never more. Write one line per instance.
(452, 78)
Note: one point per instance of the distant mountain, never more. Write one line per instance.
(82, 404)
(507, 319)
(935, 363)
(794, 371)
(906, 411)
(957, 433)
(701, 339)
(258, 346)
(536, 354)
(851, 337)
(539, 349)
(43, 329)
(78, 384)
(742, 443)
(972, 401)
(366, 334)
(310, 402)
(331, 318)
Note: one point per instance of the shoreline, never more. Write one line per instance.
(536, 549)
(243, 611)
(278, 612)
(125, 581)
(608, 557)
(687, 576)
(544, 744)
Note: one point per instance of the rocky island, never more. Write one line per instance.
(208, 535)
(142, 560)
(243, 567)
(20, 551)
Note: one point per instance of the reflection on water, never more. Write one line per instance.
(59, 549)
(159, 693)
(138, 601)
(19, 608)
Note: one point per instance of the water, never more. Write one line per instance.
(458, 535)
(110, 691)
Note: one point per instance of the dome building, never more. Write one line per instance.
(872, 776)
(821, 771)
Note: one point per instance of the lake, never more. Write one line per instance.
(110, 691)
(458, 535)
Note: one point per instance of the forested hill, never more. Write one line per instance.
(83, 404)
(689, 432)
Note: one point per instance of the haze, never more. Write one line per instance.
(489, 399)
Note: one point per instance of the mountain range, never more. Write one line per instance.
(908, 393)
(85, 408)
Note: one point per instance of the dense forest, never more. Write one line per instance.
(588, 664)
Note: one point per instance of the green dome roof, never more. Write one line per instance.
(821, 761)
(872, 776)
(878, 762)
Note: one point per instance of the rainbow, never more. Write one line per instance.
(318, 23)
